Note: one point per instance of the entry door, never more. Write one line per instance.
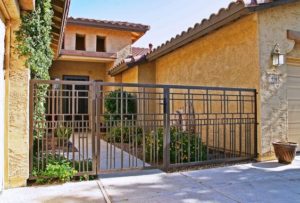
(2, 94)
(82, 106)
(293, 96)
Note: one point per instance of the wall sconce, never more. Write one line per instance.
(278, 58)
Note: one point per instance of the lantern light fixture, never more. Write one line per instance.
(278, 58)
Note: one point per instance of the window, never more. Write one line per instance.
(100, 44)
(80, 42)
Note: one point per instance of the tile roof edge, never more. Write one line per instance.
(109, 24)
(234, 11)
(122, 66)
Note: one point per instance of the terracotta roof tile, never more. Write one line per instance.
(122, 25)
(137, 55)
(138, 51)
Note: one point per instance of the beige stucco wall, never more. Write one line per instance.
(95, 71)
(2, 99)
(115, 40)
(17, 119)
(273, 26)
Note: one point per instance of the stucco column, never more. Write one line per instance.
(17, 137)
(273, 26)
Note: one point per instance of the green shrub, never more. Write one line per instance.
(58, 168)
(60, 171)
(181, 144)
(112, 105)
(134, 134)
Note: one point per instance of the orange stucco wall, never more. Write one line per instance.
(95, 71)
(115, 40)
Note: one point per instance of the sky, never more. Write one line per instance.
(167, 18)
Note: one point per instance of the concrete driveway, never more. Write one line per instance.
(65, 193)
(254, 182)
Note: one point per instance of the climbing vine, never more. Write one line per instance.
(34, 43)
(34, 39)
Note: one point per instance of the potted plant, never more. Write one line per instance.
(285, 151)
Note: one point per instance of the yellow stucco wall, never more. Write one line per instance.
(147, 73)
(131, 76)
(142, 73)
(95, 71)
(227, 57)
(115, 40)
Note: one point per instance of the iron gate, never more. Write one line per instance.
(102, 127)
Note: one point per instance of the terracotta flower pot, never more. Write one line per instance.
(285, 151)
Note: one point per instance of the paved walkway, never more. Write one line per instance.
(253, 183)
(111, 156)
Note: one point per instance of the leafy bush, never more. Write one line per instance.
(113, 102)
(60, 171)
(181, 144)
(116, 133)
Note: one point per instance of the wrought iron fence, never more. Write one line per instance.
(101, 127)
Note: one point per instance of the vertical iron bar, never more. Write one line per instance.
(144, 133)
(166, 139)
(256, 125)
(122, 138)
(94, 122)
(73, 122)
(207, 124)
(240, 122)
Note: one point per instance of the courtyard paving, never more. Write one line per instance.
(253, 182)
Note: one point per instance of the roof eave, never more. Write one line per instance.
(61, 10)
(107, 26)
(125, 66)
(121, 68)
